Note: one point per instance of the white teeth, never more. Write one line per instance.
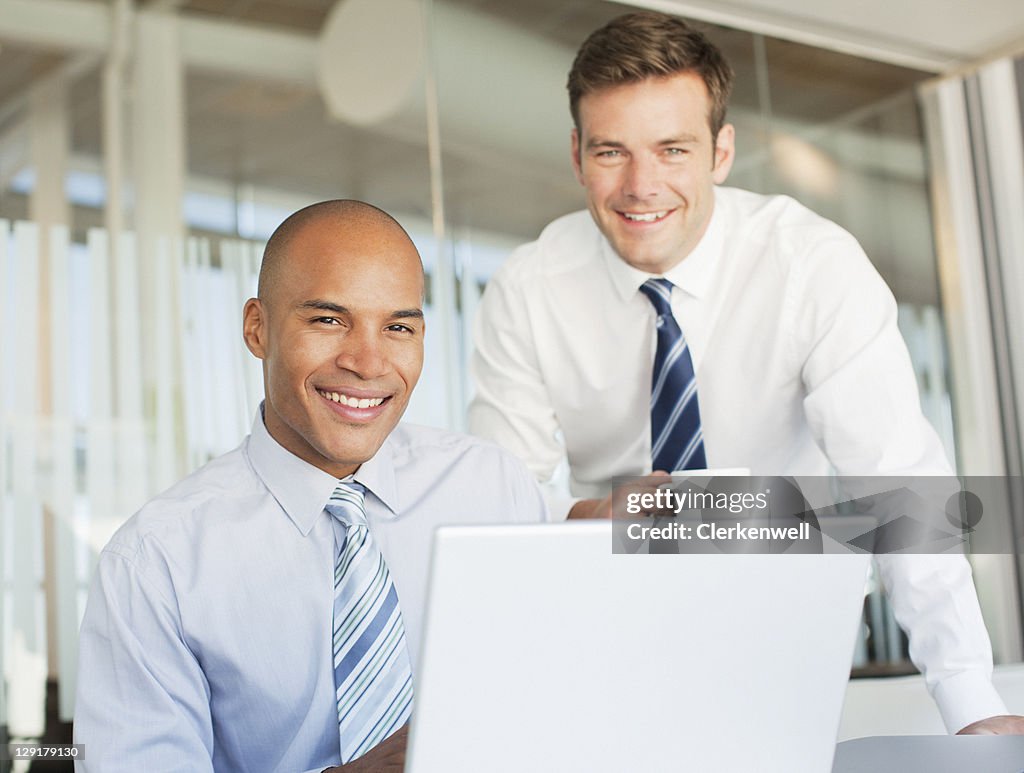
(353, 402)
(646, 217)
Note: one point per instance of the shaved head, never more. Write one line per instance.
(344, 215)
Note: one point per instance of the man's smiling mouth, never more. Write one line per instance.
(646, 217)
(351, 401)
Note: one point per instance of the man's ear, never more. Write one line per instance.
(725, 152)
(577, 166)
(254, 327)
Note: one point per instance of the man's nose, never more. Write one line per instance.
(642, 177)
(364, 353)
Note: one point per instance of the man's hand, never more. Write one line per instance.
(1004, 724)
(603, 508)
(386, 757)
(592, 508)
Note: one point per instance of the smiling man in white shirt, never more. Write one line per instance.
(788, 332)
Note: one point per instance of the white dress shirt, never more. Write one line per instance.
(800, 368)
(206, 642)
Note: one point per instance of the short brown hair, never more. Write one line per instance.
(642, 45)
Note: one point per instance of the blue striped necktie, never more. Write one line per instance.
(677, 442)
(372, 675)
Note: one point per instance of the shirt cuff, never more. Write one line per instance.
(559, 505)
(965, 698)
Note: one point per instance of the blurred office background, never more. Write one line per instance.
(148, 147)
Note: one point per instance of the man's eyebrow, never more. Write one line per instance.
(323, 306)
(681, 139)
(597, 142)
(407, 314)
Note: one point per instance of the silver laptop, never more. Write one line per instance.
(542, 651)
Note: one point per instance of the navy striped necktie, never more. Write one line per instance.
(372, 674)
(677, 442)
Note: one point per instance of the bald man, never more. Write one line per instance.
(264, 614)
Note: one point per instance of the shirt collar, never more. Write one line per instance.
(693, 274)
(378, 475)
(302, 489)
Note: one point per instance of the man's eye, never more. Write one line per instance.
(608, 153)
(326, 320)
(400, 328)
(676, 151)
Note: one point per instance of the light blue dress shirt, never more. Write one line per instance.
(206, 641)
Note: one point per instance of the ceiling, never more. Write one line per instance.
(930, 34)
(933, 34)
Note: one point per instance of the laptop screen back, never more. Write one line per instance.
(544, 652)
